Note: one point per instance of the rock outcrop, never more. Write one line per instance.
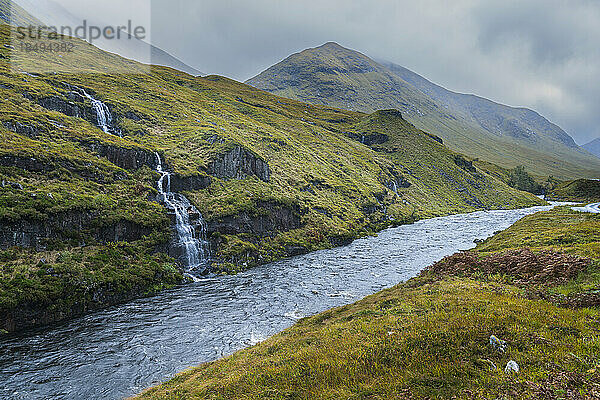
(96, 297)
(369, 139)
(239, 163)
(189, 182)
(127, 158)
(39, 165)
(68, 107)
(66, 227)
(269, 220)
(31, 131)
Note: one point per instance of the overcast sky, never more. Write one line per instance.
(541, 54)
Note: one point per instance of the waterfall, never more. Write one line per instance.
(194, 248)
(103, 116)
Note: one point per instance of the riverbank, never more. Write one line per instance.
(64, 284)
(39, 288)
(430, 337)
(144, 341)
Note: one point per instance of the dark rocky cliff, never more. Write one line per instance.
(239, 163)
(73, 227)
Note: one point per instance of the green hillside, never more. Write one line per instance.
(339, 77)
(578, 190)
(272, 177)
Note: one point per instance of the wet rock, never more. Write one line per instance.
(56, 103)
(29, 233)
(34, 164)
(127, 158)
(512, 367)
(32, 315)
(497, 344)
(30, 131)
(272, 218)
(239, 163)
(369, 139)
(396, 184)
(191, 182)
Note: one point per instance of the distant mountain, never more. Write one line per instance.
(593, 147)
(336, 76)
(10, 12)
(139, 50)
(161, 57)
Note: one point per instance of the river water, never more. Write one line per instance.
(122, 350)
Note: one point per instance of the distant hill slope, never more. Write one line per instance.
(339, 77)
(581, 190)
(12, 13)
(593, 147)
(161, 57)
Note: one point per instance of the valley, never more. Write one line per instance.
(270, 178)
(336, 226)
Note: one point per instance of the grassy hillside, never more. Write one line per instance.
(335, 76)
(429, 337)
(272, 177)
(583, 190)
(554, 254)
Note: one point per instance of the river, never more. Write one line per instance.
(124, 349)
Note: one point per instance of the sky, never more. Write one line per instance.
(540, 54)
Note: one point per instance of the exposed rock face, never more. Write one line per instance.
(191, 182)
(126, 158)
(269, 219)
(370, 139)
(70, 108)
(30, 131)
(239, 163)
(76, 105)
(33, 315)
(464, 164)
(398, 181)
(28, 316)
(65, 226)
(272, 218)
(33, 164)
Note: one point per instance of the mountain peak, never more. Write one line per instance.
(331, 45)
(339, 77)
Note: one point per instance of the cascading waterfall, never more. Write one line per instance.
(103, 115)
(194, 248)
